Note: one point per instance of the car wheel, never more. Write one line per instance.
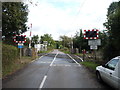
(98, 76)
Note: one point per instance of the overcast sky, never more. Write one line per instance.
(65, 17)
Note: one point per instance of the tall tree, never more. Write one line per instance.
(14, 17)
(79, 42)
(113, 25)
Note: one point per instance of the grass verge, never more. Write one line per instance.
(18, 64)
(79, 54)
(90, 65)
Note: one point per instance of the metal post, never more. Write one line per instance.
(95, 54)
(83, 51)
(20, 52)
(83, 56)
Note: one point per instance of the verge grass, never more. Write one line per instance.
(91, 65)
(14, 66)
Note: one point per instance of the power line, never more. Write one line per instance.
(81, 7)
(79, 11)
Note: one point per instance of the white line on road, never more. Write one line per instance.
(36, 59)
(74, 60)
(45, 77)
(43, 81)
(53, 60)
(79, 58)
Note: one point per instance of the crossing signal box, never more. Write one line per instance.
(91, 34)
(20, 38)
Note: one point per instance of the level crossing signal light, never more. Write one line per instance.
(91, 34)
(19, 38)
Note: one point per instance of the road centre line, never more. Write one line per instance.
(74, 60)
(79, 58)
(43, 81)
(53, 59)
(45, 77)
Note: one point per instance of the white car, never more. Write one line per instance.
(110, 72)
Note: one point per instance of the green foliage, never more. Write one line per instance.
(27, 42)
(9, 54)
(49, 39)
(66, 41)
(35, 40)
(112, 48)
(79, 42)
(104, 38)
(65, 50)
(91, 65)
(14, 17)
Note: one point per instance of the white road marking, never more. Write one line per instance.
(45, 77)
(79, 58)
(61, 65)
(40, 57)
(67, 65)
(36, 59)
(43, 81)
(44, 62)
(74, 60)
(53, 60)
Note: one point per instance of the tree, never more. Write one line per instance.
(49, 39)
(59, 44)
(35, 40)
(27, 42)
(112, 48)
(66, 41)
(103, 35)
(79, 42)
(14, 17)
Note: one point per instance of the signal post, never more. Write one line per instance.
(93, 39)
(20, 39)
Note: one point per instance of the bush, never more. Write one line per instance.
(9, 55)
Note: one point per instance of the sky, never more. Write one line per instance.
(66, 17)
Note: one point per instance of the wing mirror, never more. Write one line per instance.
(104, 65)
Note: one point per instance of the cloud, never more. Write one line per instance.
(65, 17)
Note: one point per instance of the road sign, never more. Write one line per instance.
(45, 42)
(20, 45)
(94, 42)
(93, 47)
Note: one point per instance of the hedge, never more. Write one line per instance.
(9, 55)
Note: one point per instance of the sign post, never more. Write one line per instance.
(20, 45)
(94, 45)
(83, 51)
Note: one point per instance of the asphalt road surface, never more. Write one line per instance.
(53, 70)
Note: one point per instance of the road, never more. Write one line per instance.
(53, 70)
